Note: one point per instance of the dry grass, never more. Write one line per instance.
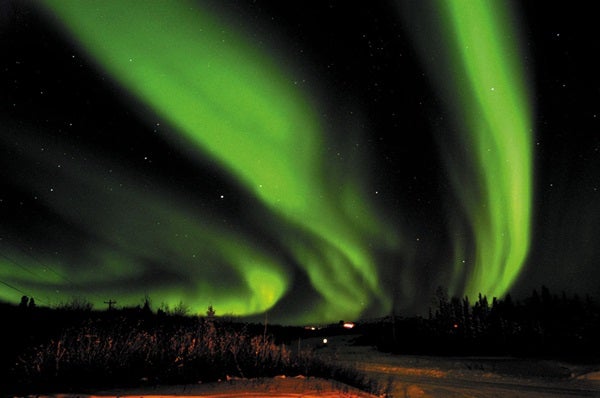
(100, 354)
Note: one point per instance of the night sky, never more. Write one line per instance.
(312, 160)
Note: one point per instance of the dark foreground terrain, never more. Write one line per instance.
(546, 345)
(399, 376)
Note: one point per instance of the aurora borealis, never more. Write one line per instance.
(484, 86)
(318, 162)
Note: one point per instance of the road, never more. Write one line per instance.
(414, 376)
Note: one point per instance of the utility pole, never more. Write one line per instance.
(110, 304)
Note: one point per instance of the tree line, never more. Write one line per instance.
(541, 325)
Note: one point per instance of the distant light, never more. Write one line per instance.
(348, 325)
(324, 341)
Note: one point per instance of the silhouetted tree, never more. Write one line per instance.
(210, 313)
(146, 308)
(24, 302)
(181, 309)
(468, 321)
(543, 324)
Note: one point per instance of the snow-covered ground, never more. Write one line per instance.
(403, 376)
(278, 387)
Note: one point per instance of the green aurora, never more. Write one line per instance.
(228, 100)
(137, 226)
(235, 105)
(478, 74)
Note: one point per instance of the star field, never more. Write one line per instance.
(317, 161)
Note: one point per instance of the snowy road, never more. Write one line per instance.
(400, 384)
(414, 376)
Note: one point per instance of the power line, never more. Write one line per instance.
(44, 277)
(19, 265)
(49, 268)
(25, 269)
(19, 290)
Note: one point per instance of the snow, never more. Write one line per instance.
(278, 387)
